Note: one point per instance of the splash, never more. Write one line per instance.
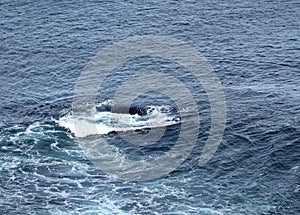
(103, 121)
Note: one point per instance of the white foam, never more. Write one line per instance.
(106, 122)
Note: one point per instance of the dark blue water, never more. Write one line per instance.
(255, 50)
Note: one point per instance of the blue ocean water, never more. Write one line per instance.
(254, 47)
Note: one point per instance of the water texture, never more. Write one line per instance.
(254, 47)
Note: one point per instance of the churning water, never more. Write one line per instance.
(254, 47)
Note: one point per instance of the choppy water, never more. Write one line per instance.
(255, 50)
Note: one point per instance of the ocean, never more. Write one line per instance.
(50, 166)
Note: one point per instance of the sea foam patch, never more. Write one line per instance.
(104, 121)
